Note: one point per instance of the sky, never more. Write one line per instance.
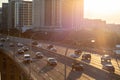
(2, 1)
(108, 10)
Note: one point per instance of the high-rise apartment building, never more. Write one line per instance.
(11, 15)
(20, 14)
(4, 16)
(23, 14)
(0, 17)
(57, 13)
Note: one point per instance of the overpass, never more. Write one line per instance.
(12, 68)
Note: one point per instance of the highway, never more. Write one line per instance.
(95, 60)
(41, 71)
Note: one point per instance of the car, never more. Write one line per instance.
(39, 55)
(34, 43)
(20, 51)
(11, 44)
(53, 49)
(27, 58)
(106, 58)
(77, 51)
(50, 46)
(109, 67)
(86, 56)
(7, 39)
(19, 44)
(1, 45)
(25, 48)
(51, 61)
(77, 66)
(2, 39)
(74, 55)
(39, 45)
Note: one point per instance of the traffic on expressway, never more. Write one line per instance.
(51, 61)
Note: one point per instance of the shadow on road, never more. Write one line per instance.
(46, 68)
(87, 61)
(74, 75)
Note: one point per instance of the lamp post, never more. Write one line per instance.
(8, 33)
(65, 64)
(19, 33)
(31, 53)
(31, 41)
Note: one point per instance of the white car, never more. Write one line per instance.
(7, 39)
(75, 55)
(39, 55)
(20, 51)
(53, 49)
(25, 48)
(19, 44)
(50, 46)
(51, 61)
(39, 45)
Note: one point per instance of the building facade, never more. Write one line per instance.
(57, 13)
(0, 17)
(23, 14)
(20, 14)
(11, 15)
(4, 16)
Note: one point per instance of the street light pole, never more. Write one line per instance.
(65, 64)
(8, 32)
(30, 54)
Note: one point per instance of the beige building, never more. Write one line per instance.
(57, 13)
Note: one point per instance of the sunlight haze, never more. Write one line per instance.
(108, 10)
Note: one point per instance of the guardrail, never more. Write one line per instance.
(23, 70)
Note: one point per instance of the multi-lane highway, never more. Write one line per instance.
(39, 69)
(95, 60)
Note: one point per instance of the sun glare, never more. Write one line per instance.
(101, 8)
